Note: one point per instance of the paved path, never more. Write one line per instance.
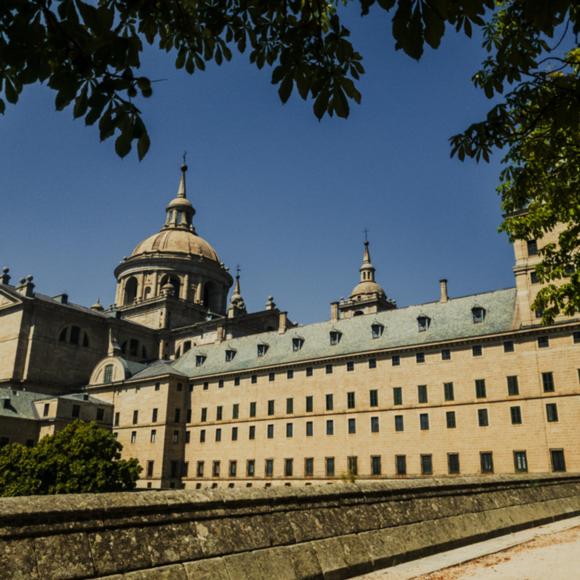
(550, 552)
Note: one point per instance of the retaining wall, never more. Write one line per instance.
(330, 531)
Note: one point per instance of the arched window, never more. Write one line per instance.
(210, 296)
(74, 335)
(108, 374)
(63, 333)
(358, 313)
(186, 346)
(130, 291)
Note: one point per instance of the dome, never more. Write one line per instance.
(176, 241)
(367, 287)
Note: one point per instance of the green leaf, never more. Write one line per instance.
(143, 145)
(123, 144)
(285, 89)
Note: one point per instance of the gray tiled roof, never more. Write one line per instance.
(83, 397)
(449, 321)
(157, 369)
(21, 403)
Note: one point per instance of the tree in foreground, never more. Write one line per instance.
(82, 458)
(89, 53)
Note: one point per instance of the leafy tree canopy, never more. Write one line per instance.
(82, 458)
(89, 53)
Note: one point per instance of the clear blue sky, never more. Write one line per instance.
(278, 192)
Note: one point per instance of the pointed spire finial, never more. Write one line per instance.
(181, 188)
(366, 233)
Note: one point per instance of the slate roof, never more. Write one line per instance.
(448, 321)
(157, 369)
(21, 403)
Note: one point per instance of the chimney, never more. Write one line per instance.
(334, 311)
(444, 296)
(62, 298)
(282, 322)
(220, 333)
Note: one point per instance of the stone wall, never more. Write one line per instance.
(330, 531)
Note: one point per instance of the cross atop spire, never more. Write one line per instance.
(366, 233)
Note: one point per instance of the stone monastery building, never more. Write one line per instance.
(206, 394)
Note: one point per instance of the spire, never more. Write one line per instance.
(180, 212)
(367, 270)
(181, 188)
(236, 301)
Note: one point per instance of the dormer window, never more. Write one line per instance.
(377, 329)
(478, 314)
(335, 336)
(262, 349)
(423, 322)
(230, 354)
(199, 360)
(297, 343)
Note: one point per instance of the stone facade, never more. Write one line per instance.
(205, 394)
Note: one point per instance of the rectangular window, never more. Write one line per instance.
(270, 407)
(548, 382)
(253, 409)
(552, 412)
(422, 393)
(534, 277)
(221, 384)
(309, 428)
(513, 387)
(202, 436)
(188, 436)
(352, 465)
(234, 433)
(205, 386)
(375, 465)
(269, 468)
(289, 430)
(372, 363)
(426, 464)
(350, 366)
(532, 246)
(289, 406)
(218, 435)
(188, 416)
(100, 414)
(401, 464)
(399, 423)
(233, 468)
(448, 391)
(445, 354)
(254, 379)
(289, 374)
(453, 463)
(153, 437)
(330, 427)
(329, 466)
(270, 431)
(219, 413)
(351, 426)
(177, 416)
(480, 390)
(482, 417)
(520, 461)
(174, 469)
(135, 417)
(271, 377)
(420, 357)
(309, 371)
(329, 402)
(516, 415)
(175, 437)
(486, 461)
(476, 350)
(508, 346)
(251, 467)
(46, 410)
(558, 461)
(203, 414)
(215, 468)
(236, 381)
(133, 436)
(328, 369)
(397, 395)
(543, 342)
(396, 360)
(184, 469)
(154, 416)
(288, 467)
(76, 410)
(251, 432)
(199, 469)
(350, 400)
(309, 466)
(235, 411)
(450, 419)
(374, 398)
(309, 404)
(424, 421)
(150, 468)
(374, 424)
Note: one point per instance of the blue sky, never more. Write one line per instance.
(282, 194)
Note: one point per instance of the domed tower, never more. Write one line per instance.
(174, 265)
(367, 297)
